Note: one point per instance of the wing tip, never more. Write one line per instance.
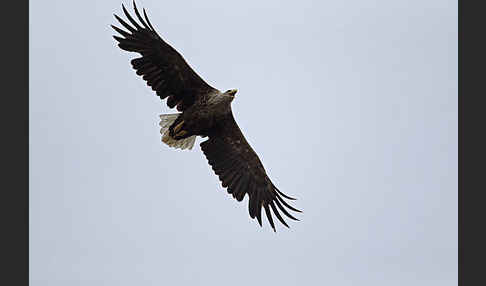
(282, 194)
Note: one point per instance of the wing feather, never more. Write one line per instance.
(269, 216)
(148, 21)
(140, 17)
(160, 65)
(241, 172)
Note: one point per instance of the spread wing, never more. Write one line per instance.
(160, 65)
(241, 172)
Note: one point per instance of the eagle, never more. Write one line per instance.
(203, 111)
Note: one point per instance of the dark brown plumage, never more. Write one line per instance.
(206, 112)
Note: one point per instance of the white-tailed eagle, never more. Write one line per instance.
(204, 111)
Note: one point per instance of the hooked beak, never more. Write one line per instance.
(232, 92)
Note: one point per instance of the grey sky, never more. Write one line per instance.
(363, 131)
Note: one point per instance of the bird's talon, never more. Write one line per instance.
(180, 134)
(178, 127)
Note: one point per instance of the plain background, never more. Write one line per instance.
(351, 106)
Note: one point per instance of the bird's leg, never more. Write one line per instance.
(177, 132)
(180, 134)
(178, 127)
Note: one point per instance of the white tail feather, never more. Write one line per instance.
(166, 121)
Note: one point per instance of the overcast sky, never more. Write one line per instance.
(351, 106)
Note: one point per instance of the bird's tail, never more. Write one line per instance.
(166, 120)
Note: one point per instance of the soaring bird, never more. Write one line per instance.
(205, 112)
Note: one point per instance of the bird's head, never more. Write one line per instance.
(228, 96)
(223, 99)
(231, 92)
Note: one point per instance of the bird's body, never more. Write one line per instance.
(205, 112)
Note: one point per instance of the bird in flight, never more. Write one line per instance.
(203, 111)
